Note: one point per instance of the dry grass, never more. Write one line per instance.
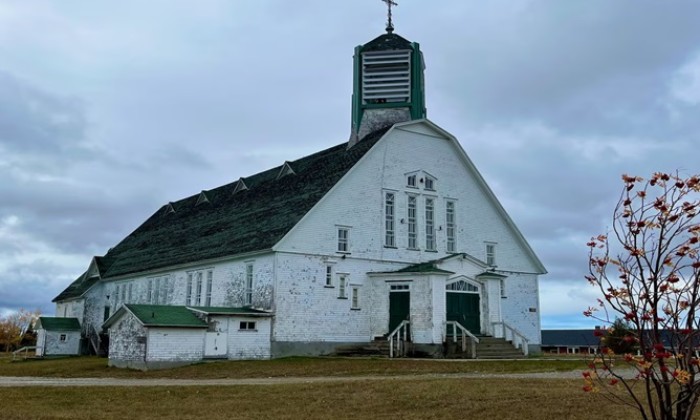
(419, 399)
(94, 367)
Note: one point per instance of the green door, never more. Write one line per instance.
(399, 308)
(464, 308)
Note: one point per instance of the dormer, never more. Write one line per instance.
(202, 199)
(240, 186)
(285, 170)
(168, 209)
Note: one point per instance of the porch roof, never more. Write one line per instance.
(159, 316)
(50, 323)
(216, 310)
(422, 268)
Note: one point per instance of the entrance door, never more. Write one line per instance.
(215, 344)
(464, 308)
(399, 308)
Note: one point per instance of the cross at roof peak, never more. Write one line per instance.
(389, 23)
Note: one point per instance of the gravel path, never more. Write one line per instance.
(25, 381)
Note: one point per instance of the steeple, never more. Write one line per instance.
(388, 84)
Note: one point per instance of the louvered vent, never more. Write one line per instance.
(386, 76)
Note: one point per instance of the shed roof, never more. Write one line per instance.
(50, 323)
(215, 310)
(159, 316)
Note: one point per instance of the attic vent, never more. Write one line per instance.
(240, 186)
(285, 170)
(386, 76)
(169, 209)
(202, 199)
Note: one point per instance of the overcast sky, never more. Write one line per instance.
(108, 110)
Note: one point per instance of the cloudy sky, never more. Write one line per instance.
(108, 110)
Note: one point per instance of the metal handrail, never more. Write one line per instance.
(522, 342)
(474, 340)
(402, 327)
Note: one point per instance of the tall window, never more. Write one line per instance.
(412, 234)
(329, 275)
(188, 298)
(429, 224)
(156, 291)
(450, 225)
(355, 298)
(342, 282)
(248, 284)
(149, 293)
(389, 220)
(210, 280)
(491, 255)
(343, 240)
(198, 296)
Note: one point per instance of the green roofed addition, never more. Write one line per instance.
(50, 323)
(160, 316)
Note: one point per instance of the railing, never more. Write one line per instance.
(516, 337)
(24, 350)
(400, 335)
(463, 333)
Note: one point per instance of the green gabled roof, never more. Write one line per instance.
(164, 316)
(77, 288)
(250, 220)
(50, 323)
(426, 267)
(215, 310)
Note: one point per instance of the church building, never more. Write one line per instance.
(391, 237)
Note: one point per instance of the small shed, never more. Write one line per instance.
(236, 333)
(57, 336)
(154, 337)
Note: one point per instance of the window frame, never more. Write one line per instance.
(430, 243)
(343, 285)
(491, 254)
(390, 219)
(412, 222)
(249, 280)
(343, 239)
(247, 326)
(355, 298)
(451, 225)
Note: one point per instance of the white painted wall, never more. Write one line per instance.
(175, 344)
(249, 344)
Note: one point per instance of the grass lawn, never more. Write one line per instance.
(419, 399)
(95, 367)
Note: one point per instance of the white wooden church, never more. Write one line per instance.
(390, 236)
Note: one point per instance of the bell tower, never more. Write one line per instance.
(388, 84)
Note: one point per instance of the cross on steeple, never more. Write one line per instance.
(389, 23)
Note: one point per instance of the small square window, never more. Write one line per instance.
(411, 181)
(429, 183)
(247, 326)
(62, 337)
